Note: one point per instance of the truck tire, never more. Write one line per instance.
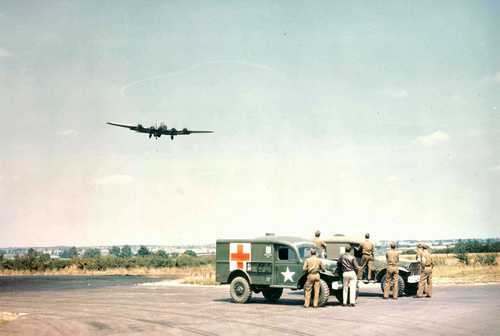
(411, 288)
(272, 294)
(324, 293)
(239, 290)
(401, 285)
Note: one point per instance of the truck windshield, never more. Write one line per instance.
(305, 251)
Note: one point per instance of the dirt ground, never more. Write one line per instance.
(159, 309)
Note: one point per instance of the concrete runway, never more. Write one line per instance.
(169, 310)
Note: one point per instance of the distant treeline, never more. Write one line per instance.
(92, 260)
(472, 246)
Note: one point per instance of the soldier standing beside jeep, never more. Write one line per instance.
(349, 267)
(425, 283)
(312, 266)
(367, 260)
(392, 257)
(320, 245)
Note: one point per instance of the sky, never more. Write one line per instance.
(348, 117)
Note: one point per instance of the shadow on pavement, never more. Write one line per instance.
(369, 294)
(262, 301)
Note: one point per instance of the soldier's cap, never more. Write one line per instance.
(313, 251)
(419, 245)
(317, 233)
(425, 246)
(393, 245)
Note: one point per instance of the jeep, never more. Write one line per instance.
(409, 271)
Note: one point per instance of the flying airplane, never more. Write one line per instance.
(158, 131)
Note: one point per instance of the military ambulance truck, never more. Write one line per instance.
(268, 265)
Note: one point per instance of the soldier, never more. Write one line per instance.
(312, 266)
(349, 267)
(425, 283)
(419, 251)
(320, 244)
(367, 260)
(392, 257)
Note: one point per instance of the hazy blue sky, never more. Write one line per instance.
(343, 116)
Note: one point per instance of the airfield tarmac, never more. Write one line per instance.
(158, 309)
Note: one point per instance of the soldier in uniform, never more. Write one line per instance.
(367, 248)
(320, 244)
(392, 257)
(312, 266)
(419, 251)
(425, 283)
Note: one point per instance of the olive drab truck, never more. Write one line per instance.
(268, 265)
(409, 271)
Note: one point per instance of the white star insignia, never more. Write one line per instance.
(288, 275)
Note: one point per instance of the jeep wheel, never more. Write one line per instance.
(240, 290)
(401, 285)
(411, 288)
(272, 294)
(324, 293)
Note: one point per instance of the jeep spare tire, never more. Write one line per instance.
(324, 293)
(240, 290)
(401, 284)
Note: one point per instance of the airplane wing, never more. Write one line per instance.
(200, 131)
(121, 125)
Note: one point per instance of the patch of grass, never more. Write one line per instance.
(7, 317)
(174, 272)
(460, 273)
(488, 259)
(201, 276)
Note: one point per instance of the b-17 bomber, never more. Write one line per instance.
(158, 131)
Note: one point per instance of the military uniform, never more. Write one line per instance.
(367, 260)
(392, 257)
(312, 266)
(425, 283)
(419, 252)
(320, 246)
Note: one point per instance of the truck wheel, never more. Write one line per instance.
(324, 293)
(240, 290)
(411, 288)
(272, 294)
(401, 284)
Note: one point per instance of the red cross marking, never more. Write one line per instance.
(240, 257)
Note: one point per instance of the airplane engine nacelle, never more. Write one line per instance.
(185, 131)
(174, 131)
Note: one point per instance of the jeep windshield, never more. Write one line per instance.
(305, 250)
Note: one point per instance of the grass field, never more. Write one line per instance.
(7, 317)
(447, 270)
(176, 272)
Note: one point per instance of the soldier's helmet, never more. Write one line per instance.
(367, 236)
(317, 233)
(393, 245)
